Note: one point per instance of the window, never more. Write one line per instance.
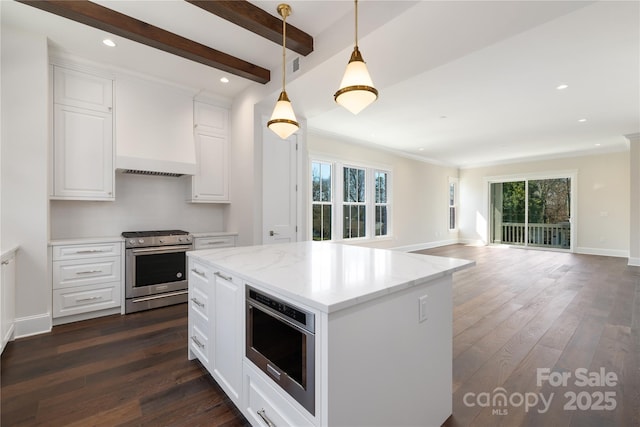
(453, 197)
(381, 203)
(354, 206)
(358, 207)
(321, 185)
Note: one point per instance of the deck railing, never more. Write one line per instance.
(545, 235)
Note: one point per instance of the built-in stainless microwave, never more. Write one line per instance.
(281, 342)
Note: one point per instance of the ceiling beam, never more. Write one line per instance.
(256, 20)
(97, 16)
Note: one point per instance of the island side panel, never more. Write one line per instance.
(385, 367)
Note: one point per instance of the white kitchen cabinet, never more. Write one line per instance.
(264, 404)
(200, 313)
(215, 322)
(210, 118)
(87, 280)
(83, 153)
(7, 296)
(79, 89)
(210, 184)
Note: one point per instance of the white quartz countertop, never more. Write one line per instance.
(329, 276)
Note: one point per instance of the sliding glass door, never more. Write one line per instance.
(534, 212)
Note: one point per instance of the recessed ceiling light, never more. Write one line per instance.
(562, 86)
(224, 80)
(109, 42)
(420, 149)
(582, 120)
(597, 145)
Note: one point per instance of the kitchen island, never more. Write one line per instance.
(382, 351)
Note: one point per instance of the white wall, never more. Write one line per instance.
(602, 215)
(142, 203)
(419, 192)
(25, 131)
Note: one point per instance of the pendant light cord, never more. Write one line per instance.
(284, 47)
(356, 1)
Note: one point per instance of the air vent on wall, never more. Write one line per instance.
(141, 172)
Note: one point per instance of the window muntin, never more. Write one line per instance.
(322, 201)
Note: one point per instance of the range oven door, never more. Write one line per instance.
(282, 347)
(150, 271)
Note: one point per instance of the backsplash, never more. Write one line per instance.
(142, 203)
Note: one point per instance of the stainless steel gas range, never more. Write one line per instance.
(155, 268)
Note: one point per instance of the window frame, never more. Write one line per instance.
(452, 181)
(321, 202)
(338, 203)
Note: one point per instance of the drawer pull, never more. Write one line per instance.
(198, 343)
(90, 251)
(216, 242)
(223, 276)
(199, 273)
(87, 299)
(88, 271)
(198, 303)
(265, 418)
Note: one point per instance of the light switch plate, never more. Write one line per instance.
(422, 308)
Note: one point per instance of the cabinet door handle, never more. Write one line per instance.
(198, 303)
(199, 273)
(87, 299)
(223, 276)
(198, 343)
(90, 251)
(266, 419)
(88, 271)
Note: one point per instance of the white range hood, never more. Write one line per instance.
(154, 128)
(141, 166)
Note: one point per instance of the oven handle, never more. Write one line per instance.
(160, 250)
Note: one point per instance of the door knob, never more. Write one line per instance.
(273, 233)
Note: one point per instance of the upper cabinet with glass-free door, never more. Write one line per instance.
(210, 184)
(83, 153)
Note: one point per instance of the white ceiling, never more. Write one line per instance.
(461, 82)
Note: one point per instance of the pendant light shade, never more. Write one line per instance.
(356, 89)
(283, 120)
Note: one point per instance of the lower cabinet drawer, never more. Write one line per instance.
(83, 299)
(74, 273)
(199, 339)
(214, 242)
(265, 405)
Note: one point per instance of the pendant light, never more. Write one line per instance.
(283, 119)
(356, 89)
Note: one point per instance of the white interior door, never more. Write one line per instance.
(279, 192)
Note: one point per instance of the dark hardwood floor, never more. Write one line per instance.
(518, 311)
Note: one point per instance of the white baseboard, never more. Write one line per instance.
(603, 252)
(634, 262)
(423, 246)
(32, 325)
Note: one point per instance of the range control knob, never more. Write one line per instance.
(161, 240)
(140, 240)
(180, 239)
(133, 242)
